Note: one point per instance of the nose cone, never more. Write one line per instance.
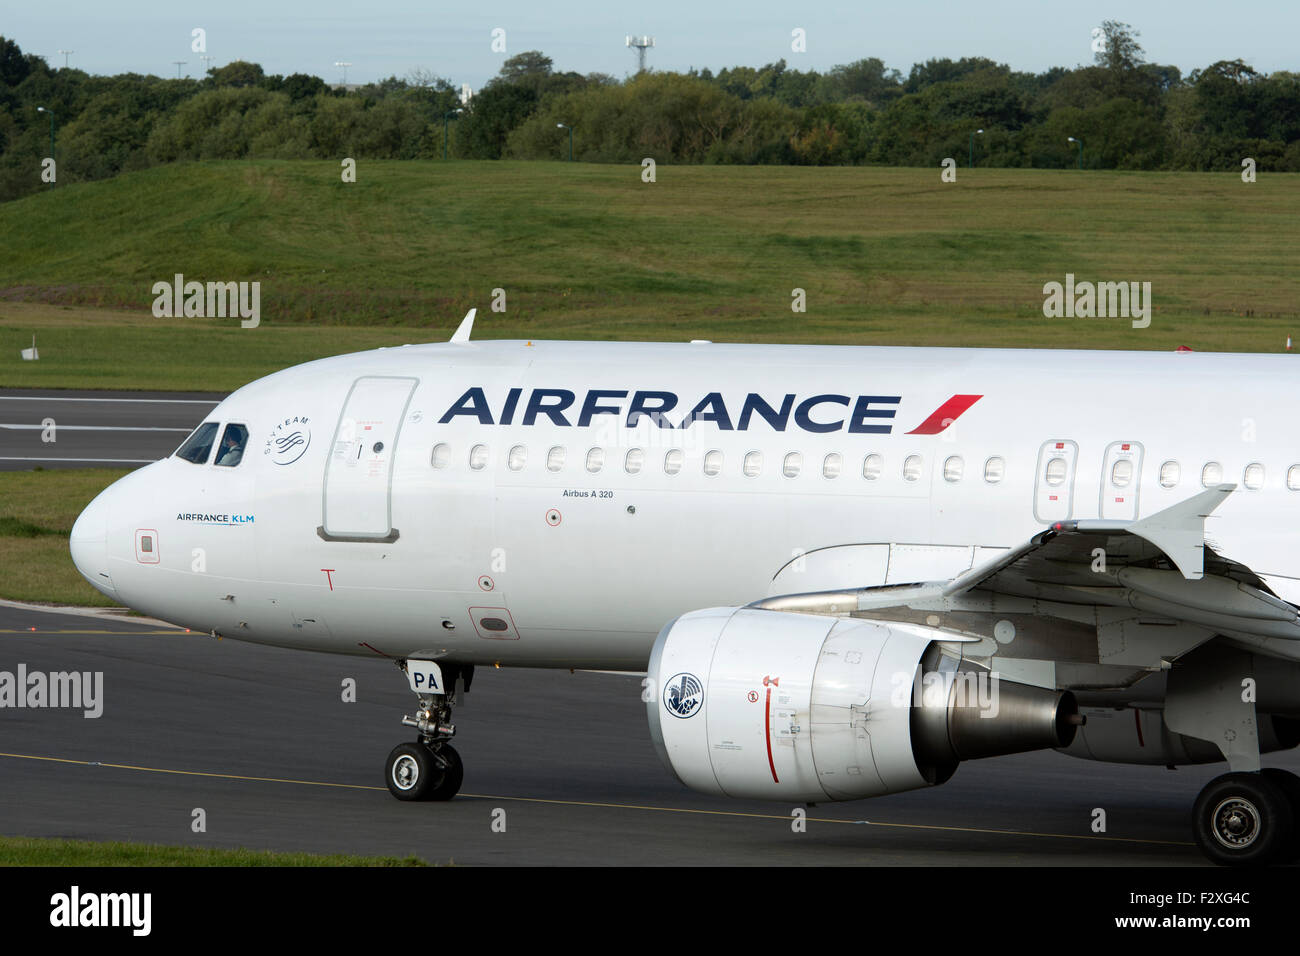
(89, 545)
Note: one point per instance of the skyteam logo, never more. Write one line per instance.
(288, 441)
(684, 695)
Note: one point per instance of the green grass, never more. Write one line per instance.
(887, 256)
(28, 851)
(37, 509)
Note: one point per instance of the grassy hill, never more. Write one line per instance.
(886, 256)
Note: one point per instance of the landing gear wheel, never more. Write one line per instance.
(1290, 785)
(420, 772)
(451, 776)
(1243, 819)
(410, 772)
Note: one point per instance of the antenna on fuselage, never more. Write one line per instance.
(466, 325)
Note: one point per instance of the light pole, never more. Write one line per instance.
(207, 60)
(446, 120)
(1080, 144)
(970, 162)
(345, 69)
(570, 129)
(42, 109)
(179, 64)
(66, 54)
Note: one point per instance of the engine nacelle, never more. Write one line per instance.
(763, 704)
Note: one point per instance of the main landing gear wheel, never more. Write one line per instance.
(1290, 785)
(419, 772)
(1244, 819)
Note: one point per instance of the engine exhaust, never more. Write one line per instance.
(961, 711)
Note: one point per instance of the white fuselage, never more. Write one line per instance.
(379, 536)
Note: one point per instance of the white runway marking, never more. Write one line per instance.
(98, 428)
(125, 461)
(150, 401)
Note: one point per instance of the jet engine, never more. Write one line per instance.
(762, 704)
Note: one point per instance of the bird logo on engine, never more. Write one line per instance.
(684, 695)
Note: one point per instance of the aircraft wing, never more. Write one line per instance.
(1152, 588)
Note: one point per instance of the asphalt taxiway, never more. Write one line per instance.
(263, 742)
(58, 428)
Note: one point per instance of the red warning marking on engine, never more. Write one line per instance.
(945, 414)
(328, 572)
(767, 729)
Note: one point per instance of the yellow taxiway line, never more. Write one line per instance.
(785, 818)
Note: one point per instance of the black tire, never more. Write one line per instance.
(450, 777)
(410, 772)
(1290, 785)
(1243, 819)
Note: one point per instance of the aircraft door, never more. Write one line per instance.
(1054, 481)
(1121, 477)
(358, 475)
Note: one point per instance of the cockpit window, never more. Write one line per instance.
(231, 450)
(199, 445)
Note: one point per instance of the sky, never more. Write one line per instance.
(381, 38)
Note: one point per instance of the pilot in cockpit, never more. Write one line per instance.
(232, 446)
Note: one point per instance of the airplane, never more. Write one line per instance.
(843, 571)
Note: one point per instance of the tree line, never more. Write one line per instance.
(1120, 112)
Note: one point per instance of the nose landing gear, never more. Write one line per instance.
(430, 768)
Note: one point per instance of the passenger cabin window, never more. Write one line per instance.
(634, 461)
(478, 456)
(517, 458)
(1055, 473)
(1211, 474)
(1254, 477)
(595, 460)
(1170, 473)
(832, 465)
(198, 446)
(953, 469)
(1293, 477)
(441, 456)
(673, 461)
(793, 462)
(713, 463)
(871, 467)
(994, 470)
(1121, 473)
(555, 458)
(912, 468)
(753, 464)
(231, 450)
